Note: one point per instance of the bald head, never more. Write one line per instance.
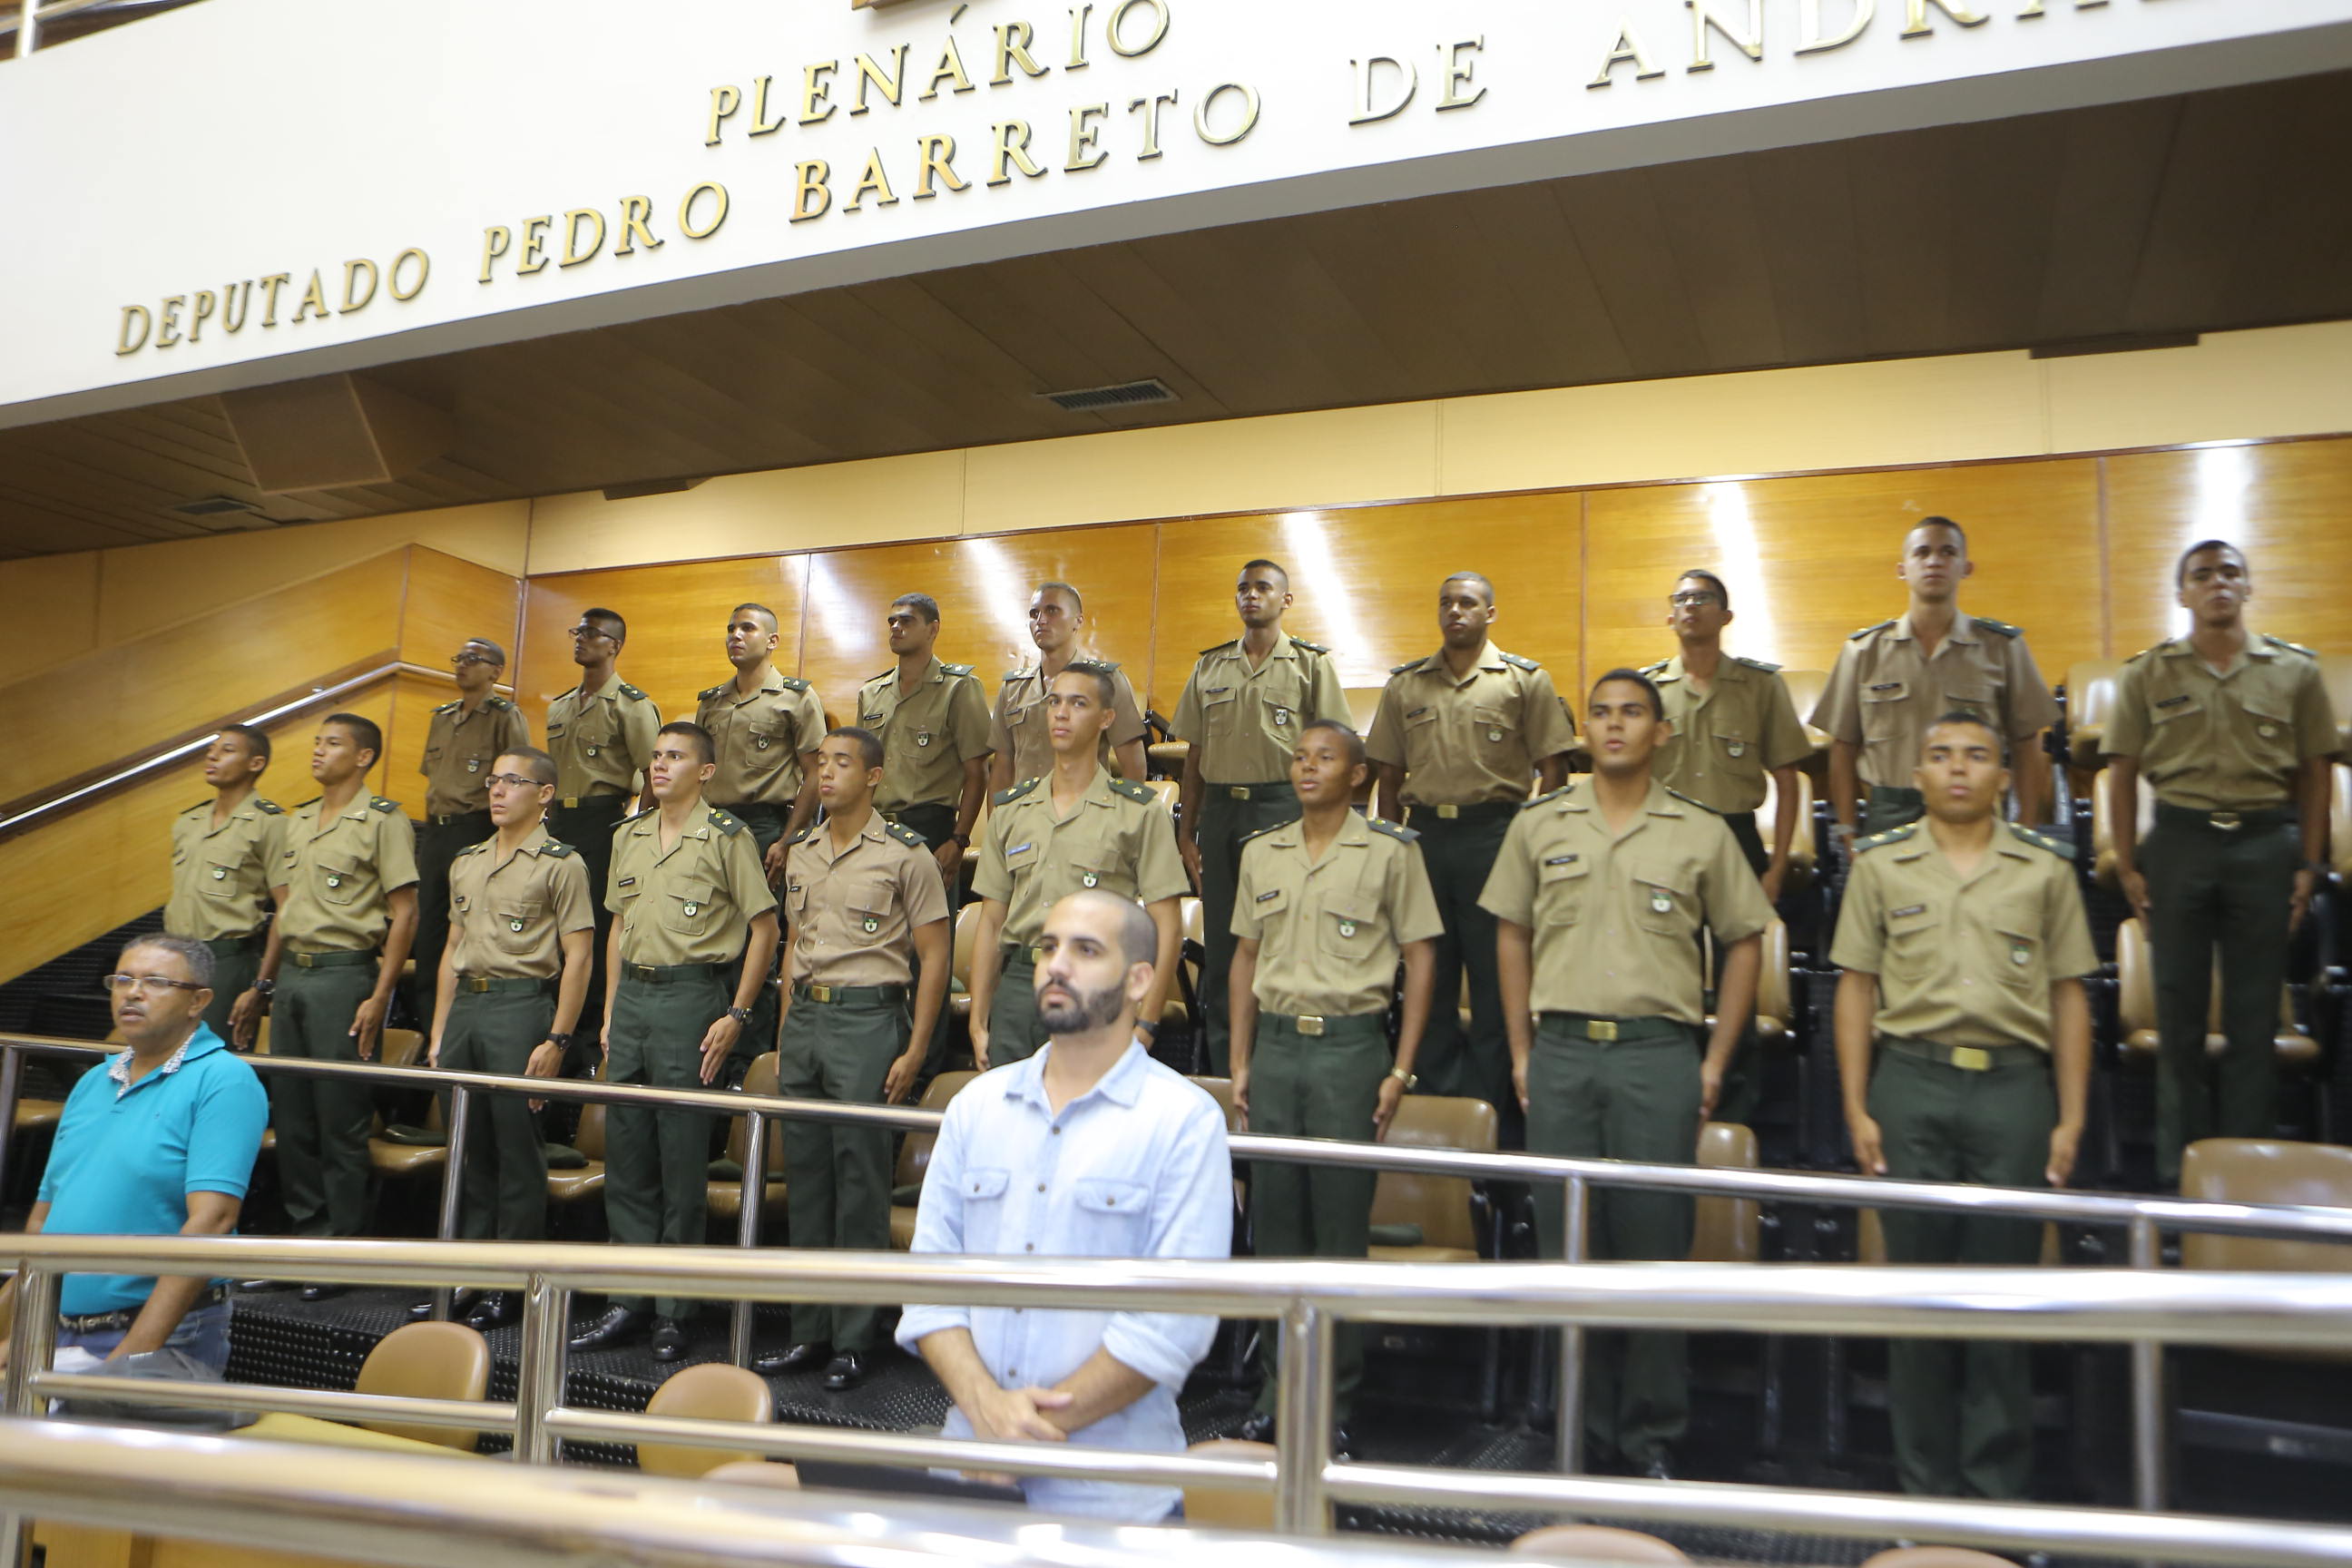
(1122, 923)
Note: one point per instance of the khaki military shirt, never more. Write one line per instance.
(460, 749)
(1328, 931)
(221, 877)
(928, 733)
(1243, 722)
(1462, 743)
(601, 740)
(1617, 919)
(1964, 960)
(1016, 731)
(853, 912)
(1725, 742)
(508, 919)
(1885, 692)
(760, 738)
(2222, 742)
(338, 874)
(1119, 839)
(693, 903)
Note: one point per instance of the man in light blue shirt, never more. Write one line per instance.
(160, 1141)
(1088, 1148)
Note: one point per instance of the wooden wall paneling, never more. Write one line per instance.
(448, 601)
(984, 587)
(1810, 559)
(1365, 580)
(2284, 503)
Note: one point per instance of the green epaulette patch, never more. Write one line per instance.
(1548, 795)
(1408, 664)
(1520, 661)
(1892, 836)
(2058, 847)
(496, 703)
(955, 670)
(314, 800)
(1654, 669)
(378, 803)
(802, 837)
(200, 806)
(725, 822)
(884, 676)
(1395, 830)
(1309, 647)
(1021, 673)
(267, 808)
(1857, 636)
(1997, 628)
(792, 683)
(900, 831)
(1219, 648)
(2298, 647)
(450, 707)
(555, 847)
(1133, 790)
(473, 849)
(1007, 796)
(1271, 827)
(1688, 801)
(635, 816)
(707, 693)
(635, 695)
(1756, 664)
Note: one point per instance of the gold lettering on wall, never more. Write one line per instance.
(1077, 60)
(201, 312)
(123, 342)
(353, 299)
(236, 300)
(1122, 43)
(811, 196)
(1012, 41)
(1914, 15)
(1706, 18)
(574, 253)
(167, 335)
(1208, 107)
(495, 241)
(1012, 148)
(1369, 111)
(314, 300)
(273, 283)
(813, 88)
(1150, 107)
(938, 153)
(724, 101)
(1456, 72)
(874, 182)
(636, 227)
(761, 124)
(950, 69)
(718, 215)
(1086, 126)
(1627, 50)
(534, 245)
(871, 74)
(1813, 40)
(424, 271)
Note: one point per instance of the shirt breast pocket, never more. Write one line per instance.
(1271, 909)
(1346, 929)
(1110, 1218)
(2021, 961)
(688, 910)
(1108, 872)
(982, 1192)
(2270, 733)
(1735, 751)
(340, 881)
(1885, 706)
(1978, 699)
(1218, 710)
(1563, 882)
(1665, 899)
(219, 879)
(515, 924)
(1911, 943)
(869, 912)
(1492, 724)
(1281, 719)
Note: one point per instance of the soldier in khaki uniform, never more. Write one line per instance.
(932, 718)
(461, 741)
(1602, 892)
(2234, 732)
(1018, 747)
(1456, 740)
(1963, 944)
(1326, 907)
(1734, 722)
(1075, 829)
(224, 857)
(691, 906)
(1893, 680)
(521, 924)
(346, 892)
(1242, 710)
(862, 897)
(600, 733)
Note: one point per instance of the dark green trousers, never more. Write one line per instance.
(839, 1178)
(237, 959)
(1743, 1079)
(758, 1035)
(438, 843)
(2210, 889)
(1014, 1034)
(1633, 1097)
(658, 1162)
(588, 829)
(1459, 855)
(503, 1187)
(323, 1124)
(1891, 805)
(1316, 1087)
(1224, 823)
(935, 825)
(1962, 1409)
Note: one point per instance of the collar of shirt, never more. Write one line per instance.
(650, 824)
(772, 681)
(1489, 658)
(2181, 648)
(1122, 1085)
(1963, 632)
(532, 845)
(202, 1043)
(611, 688)
(1354, 834)
(873, 830)
(1658, 803)
(933, 673)
(1923, 844)
(203, 814)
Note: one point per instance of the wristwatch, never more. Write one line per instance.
(265, 989)
(561, 1042)
(963, 839)
(740, 1015)
(1147, 1027)
(1411, 1080)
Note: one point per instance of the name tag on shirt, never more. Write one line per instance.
(1562, 860)
(1906, 910)
(2174, 701)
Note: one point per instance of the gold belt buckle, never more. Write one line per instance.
(1972, 1058)
(1238, 792)
(1601, 1029)
(1448, 813)
(1309, 1025)
(302, 960)
(1036, 956)
(474, 982)
(820, 993)
(2227, 821)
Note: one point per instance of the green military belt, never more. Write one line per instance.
(482, 811)
(478, 983)
(841, 995)
(1278, 790)
(1315, 1026)
(1016, 953)
(573, 802)
(330, 960)
(670, 974)
(1627, 1031)
(222, 946)
(2224, 821)
(1419, 815)
(1968, 1059)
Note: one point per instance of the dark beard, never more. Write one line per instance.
(1086, 1012)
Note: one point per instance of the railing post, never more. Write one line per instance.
(29, 27)
(539, 1370)
(12, 1077)
(32, 1345)
(1302, 1422)
(747, 1226)
(1574, 1245)
(2147, 1425)
(453, 1180)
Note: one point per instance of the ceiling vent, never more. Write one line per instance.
(1126, 395)
(213, 506)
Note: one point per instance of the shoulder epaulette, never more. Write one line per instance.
(1756, 664)
(1019, 672)
(2282, 642)
(955, 670)
(1309, 647)
(1547, 796)
(632, 693)
(1520, 661)
(884, 676)
(1396, 830)
(1892, 836)
(1109, 666)
(555, 847)
(198, 807)
(708, 692)
(802, 837)
(900, 831)
(267, 808)
(1262, 832)
(378, 803)
(794, 683)
(1007, 796)
(1653, 668)
(636, 814)
(726, 822)
(1857, 636)
(473, 848)
(496, 703)
(1408, 664)
(450, 707)
(1997, 628)
(1688, 801)
(312, 801)
(2146, 651)
(1219, 648)
(2058, 847)
(1133, 790)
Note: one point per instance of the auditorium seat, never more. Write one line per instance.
(1166, 758)
(1598, 1544)
(1206, 1503)
(1728, 1230)
(773, 1474)
(2135, 1008)
(2340, 819)
(1774, 1019)
(2335, 673)
(2265, 1171)
(1804, 690)
(1444, 1213)
(1937, 1557)
(587, 1181)
(400, 1048)
(711, 1392)
(1220, 1090)
(414, 1151)
(1801, 851)
(726, 1194)
(2090, 701)
(915, 1157)
(1167, 792)
(2103, 840)
(967, 931)
(427, 1361)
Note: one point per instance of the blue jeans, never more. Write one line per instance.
(202, 1336)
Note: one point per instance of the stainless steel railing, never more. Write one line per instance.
(27, 23)
(1308, 1297)
(2143, 1218)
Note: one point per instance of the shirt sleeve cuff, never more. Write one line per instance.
(918, 1323)
(1162, 1347)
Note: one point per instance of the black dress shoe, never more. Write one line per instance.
(1256, 1428)
(1661, 1466)
(797, 1357)
(460, 1305)
(668, 1340)
(618, 1323)
(1343, 1445)
(322, 1292)
(422, 1311)
(846, 1371)
(495, 1309)
(261, 1284)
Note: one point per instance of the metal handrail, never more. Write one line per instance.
(1309, 1298)
(26, 23)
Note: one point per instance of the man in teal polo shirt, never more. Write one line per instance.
(160, 1141)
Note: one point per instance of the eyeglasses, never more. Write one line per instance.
(584, 630)
(460, 660)
(512, 781)
(1690, 601)
(151, 984)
